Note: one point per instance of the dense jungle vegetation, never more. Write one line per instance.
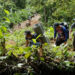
(15, 58)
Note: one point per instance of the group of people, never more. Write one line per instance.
(63, 31)
(61, 35)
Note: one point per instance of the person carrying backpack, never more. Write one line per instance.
(66, 26)
(29, 41)
(62, 34)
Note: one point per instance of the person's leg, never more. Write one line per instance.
(59, 41)
(40, 51)
(38, 44)
(68, 34)
(27, 43)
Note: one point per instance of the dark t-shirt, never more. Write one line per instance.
(33, 37)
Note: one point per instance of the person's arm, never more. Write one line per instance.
(55, 33)
(71, 28)
(66, 34)
(27, 43)
(71, 31)
(70, 37)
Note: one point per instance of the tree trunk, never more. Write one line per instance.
(45, 14)
(3, 46)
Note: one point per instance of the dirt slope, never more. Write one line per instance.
(34, 20)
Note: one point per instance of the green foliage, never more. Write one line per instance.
(1, 35)
(20, 3)
(50, 32)
(16, 11)
(3, 31)
(42, 59)
(54, 10)
(6, 11)
(27, 55)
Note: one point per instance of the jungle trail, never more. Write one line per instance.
(12, 65)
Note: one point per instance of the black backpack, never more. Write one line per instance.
(65, 25)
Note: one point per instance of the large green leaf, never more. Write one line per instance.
(34, 40)
(1, 34)
(6, 11)
(27, 55)
(27, 49)
(7, 20)
(4, 29)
